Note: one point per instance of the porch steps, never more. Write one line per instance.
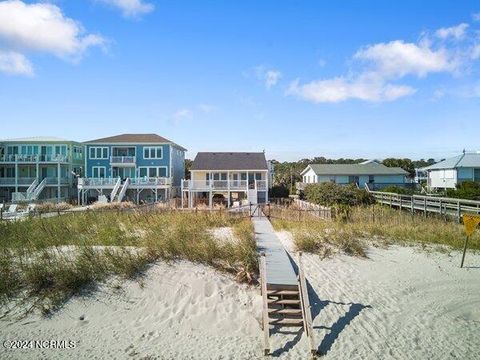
(123, 191)
(115, 189)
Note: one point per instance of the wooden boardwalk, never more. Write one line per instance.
(280, 272)
(450, 207)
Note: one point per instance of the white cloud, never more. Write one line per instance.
(41, 27)
(183, 114)
(380, 64)
(15, 63)
(475, 53)
(269, 77)
(476, 17)
(455, 32)
(397, 59)
(341, 89)
(131, 8)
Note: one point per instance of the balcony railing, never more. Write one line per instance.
(151, 181)
(21, 181)
(97, 181)
(54, 181)
(33, 158)
(122, 159)
(110, 182)
(224, 185)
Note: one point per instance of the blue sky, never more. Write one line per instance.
(297, 78)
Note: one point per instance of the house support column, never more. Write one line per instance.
(228, 199)
(210, 199)
(16, 175)
(58, 182)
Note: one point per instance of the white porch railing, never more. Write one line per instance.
(224, 185)
(20, 181)
(122, 159)
(33, 158)
(134, 182)
(151, 181)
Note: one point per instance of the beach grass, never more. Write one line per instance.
(48, 260)
(371, 225)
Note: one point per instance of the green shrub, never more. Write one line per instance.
(279, 191)
(331, 194)
(469, 190)
(397, 190)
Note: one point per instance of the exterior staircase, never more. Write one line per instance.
(35, 193)
(115, 189)
(286, 306)
(123, 191)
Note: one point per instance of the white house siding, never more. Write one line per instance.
(442, 178)
(309, 177)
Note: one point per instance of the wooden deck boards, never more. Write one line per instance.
(279, 271)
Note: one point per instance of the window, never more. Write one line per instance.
(160, 171)
(371, 179)
(153, 152)
(97, 153)
(476, 175)
(77, 152)
(29, 150)
(98, 171)
(60, 150)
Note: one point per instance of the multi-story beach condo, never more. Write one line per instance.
(39, 168)
(134, 167)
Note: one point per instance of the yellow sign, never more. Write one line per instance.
(470, 222)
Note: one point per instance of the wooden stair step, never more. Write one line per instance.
(287, 322)
(284, 302)
(283, 292)
(285, 311)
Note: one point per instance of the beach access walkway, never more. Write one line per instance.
(284, 293)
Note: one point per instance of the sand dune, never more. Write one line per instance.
(400, 303)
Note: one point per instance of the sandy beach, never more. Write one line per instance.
(399, 303)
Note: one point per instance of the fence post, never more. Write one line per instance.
(459, 215)
(424, 207)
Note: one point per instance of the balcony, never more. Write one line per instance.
(33, 159)
(54, 181)
(109, 183)
(122, 160)
(22, 181)
(224, 185)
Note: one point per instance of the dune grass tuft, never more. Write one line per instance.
(372, 224)
(51, 259)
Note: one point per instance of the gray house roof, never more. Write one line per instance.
(467, 160)
(230, 161)
(371, 168)
(134, 139)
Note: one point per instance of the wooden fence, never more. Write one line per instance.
(448, 207)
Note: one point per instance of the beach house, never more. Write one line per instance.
(447, 173)
(231, 178)
(371, 173)
(134, 167)
(39, 168)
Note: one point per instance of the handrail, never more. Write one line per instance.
(122, 159)
(115, 189)
(32, 186)
(124, 190)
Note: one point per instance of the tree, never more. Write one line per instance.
(188, 166)
(405, 164)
